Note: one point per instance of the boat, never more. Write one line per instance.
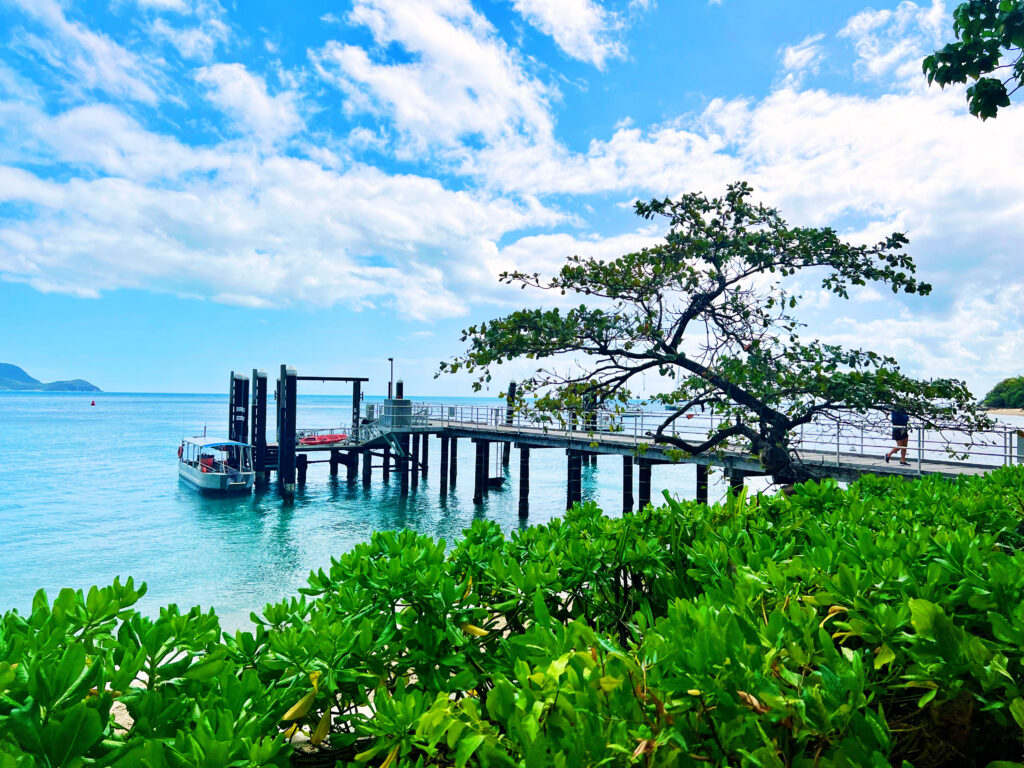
(218, 466)
(331, 439)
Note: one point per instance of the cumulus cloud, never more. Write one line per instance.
(255, 231)
(894, 41)
(244, 98)
(581, 28)
(462, 82)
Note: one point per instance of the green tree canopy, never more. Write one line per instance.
(1008, 393)
(708, 312)
(987, 52)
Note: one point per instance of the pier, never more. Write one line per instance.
(394, 438)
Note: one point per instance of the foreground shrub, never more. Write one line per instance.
(878, 625)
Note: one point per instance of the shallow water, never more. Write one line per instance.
(90, 493)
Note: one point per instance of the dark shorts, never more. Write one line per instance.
(900, 433)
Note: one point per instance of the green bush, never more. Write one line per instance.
(878, 625)
(1008, 393)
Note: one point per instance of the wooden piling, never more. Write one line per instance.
(627, 484)
(574, 482)
(524, 481)
(286, 386)
(702, 483)
(238, 408)
(453, 465)
(335, 459)
(367, 467)
(644, 485)
(480, 473)
(386, 469)
(258, 436)
(351, 465)
(425, 452)
(403, 462)
(301, 462)
(415, 461)
(444, 466)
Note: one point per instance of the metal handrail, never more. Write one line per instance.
(828, 435)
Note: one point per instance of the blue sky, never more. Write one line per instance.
(192, 186)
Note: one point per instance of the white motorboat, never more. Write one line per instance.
(220, 466)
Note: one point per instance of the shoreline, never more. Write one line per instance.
(1005, 411)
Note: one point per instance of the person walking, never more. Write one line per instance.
(901, 434)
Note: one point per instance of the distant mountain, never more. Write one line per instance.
(13, 377)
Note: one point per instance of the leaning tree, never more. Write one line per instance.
(708, 312)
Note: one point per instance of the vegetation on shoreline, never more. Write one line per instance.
(1008, 393)
(878, 625)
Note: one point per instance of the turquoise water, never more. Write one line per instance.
(90, 493)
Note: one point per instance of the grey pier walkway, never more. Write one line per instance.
(395, 436)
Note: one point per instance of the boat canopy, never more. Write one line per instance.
(213, 442)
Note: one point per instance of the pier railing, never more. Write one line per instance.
(823, 438)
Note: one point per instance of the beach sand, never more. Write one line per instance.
(1005, 411)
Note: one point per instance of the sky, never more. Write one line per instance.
(190, 187)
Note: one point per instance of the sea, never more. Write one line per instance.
(89, 493)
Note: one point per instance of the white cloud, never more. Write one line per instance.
(803, 58)
(90, 60)
(463, 82)
(245, 229)
(581, 28)
(197, 33)
(980, 338)
(894, 41)
(244, 98)
(180, 6)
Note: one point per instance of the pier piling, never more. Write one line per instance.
(425, 452)
(736, 478)
(238, 408)
(481, 473)
(386, 469)
(367, 467)
(301, 462)
(627, 484)
(444, 465)
(453, 465)
(286, 394)
(702, 483)
(574, 483)
(644, 483)
(415, 465)
(524, 481)
(258, 438)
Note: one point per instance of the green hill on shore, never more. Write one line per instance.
(14, 378)
(1008, 393)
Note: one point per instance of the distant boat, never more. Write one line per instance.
(220, 466)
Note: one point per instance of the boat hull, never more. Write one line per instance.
(216, 482)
